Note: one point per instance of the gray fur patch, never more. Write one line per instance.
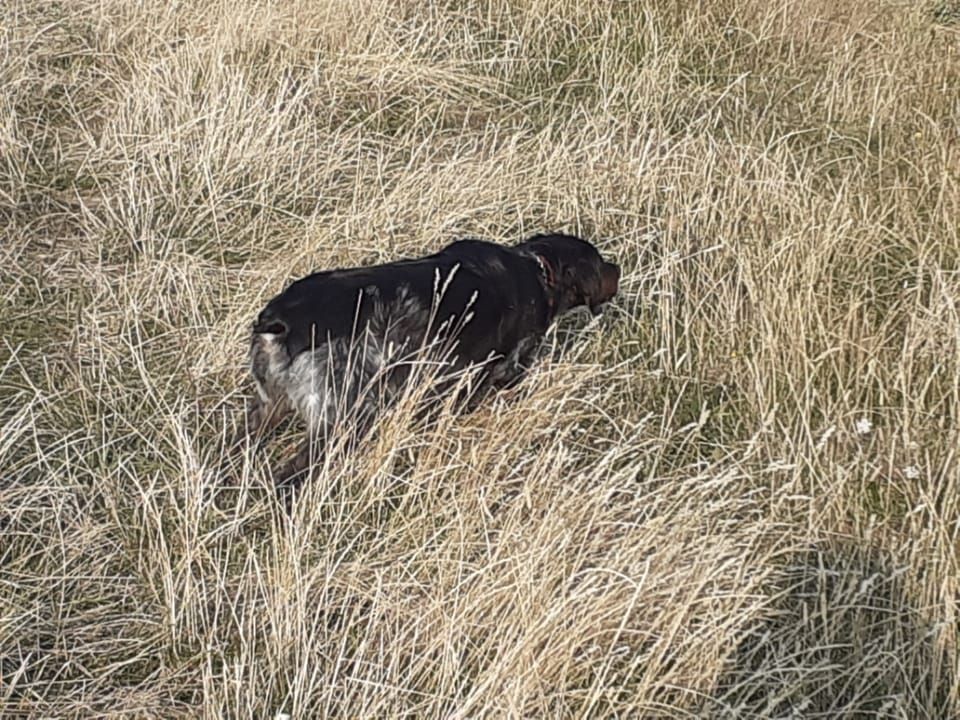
(268, 361)
(344, 377)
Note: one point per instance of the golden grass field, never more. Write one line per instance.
(735, 495)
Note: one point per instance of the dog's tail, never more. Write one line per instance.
(268, 341)
(268, 352)
(269, 324)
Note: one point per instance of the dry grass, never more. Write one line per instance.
(736, 495)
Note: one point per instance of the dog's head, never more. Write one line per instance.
(576, 274)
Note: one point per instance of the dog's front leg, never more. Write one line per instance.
(510, 370)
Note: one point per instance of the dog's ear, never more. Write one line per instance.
(578, 285)
(567, 295)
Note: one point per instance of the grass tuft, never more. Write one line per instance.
(734, 495)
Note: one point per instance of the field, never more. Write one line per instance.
(735, 494)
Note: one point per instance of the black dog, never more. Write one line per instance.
(341, 344)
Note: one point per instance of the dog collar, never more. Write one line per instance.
(549, 276)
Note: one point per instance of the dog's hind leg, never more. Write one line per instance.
(343, 437)
(261, 418)
(293, 473)
(264, 416)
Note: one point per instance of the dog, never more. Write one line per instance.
(340, 345)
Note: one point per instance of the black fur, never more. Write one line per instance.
(318, 346)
